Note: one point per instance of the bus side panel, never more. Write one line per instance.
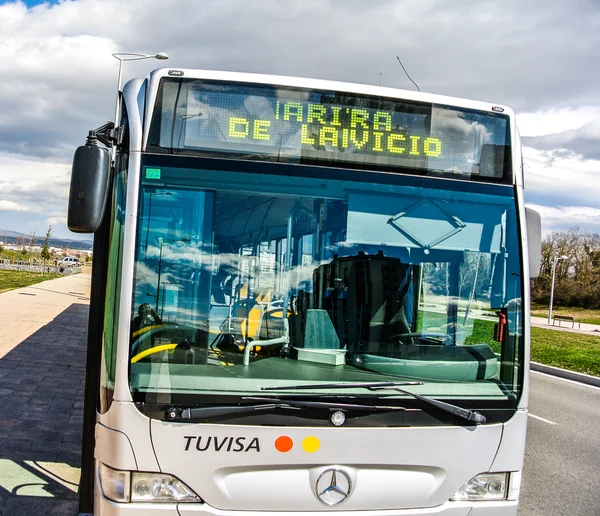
(512, 446)
(125, 418)
(114, 449)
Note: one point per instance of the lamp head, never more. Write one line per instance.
(135, 56)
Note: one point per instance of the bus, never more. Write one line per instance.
(307, 296)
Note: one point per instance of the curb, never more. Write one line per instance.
(563, 373)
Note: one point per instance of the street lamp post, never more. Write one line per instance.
(131, 56)
(554, 262)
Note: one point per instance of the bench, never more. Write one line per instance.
(566, 318)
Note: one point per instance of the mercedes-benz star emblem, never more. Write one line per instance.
(333, 487)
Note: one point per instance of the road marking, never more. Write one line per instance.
(565, 379)
(542, 419)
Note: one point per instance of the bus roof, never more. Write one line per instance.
(300, 82)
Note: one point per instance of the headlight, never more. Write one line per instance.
(127, 486)
(485, 487)
(156, 487)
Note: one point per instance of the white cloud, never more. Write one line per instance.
(41, 183)
(12, 206)
(560, 218)
(38, 190)
(556, 120)
(54, 221)
(569, 177)
(565, 190)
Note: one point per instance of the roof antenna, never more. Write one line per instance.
(419, 89)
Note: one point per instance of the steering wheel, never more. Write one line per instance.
(446, 339)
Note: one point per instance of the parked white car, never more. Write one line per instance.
(70, 261)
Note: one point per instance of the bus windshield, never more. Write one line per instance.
(247, 280)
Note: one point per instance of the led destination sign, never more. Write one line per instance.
(272, 123)
(336, 129)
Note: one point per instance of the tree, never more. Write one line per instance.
(577, 280)
(31, 241)
(46, 245)
(21, 244)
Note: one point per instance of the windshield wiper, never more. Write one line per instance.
(332, 405)
(181, 413)
(263, 404)
(469, 415)
(358, 385)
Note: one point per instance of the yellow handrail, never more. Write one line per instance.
(150, 351)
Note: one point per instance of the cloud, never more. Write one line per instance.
(40, 184)
(583, 141)
(12, 206)
(54, 221)
(555, 120)
(561, 218)
(562, 166)
(564, 189)
(560, 180)
(59, 78)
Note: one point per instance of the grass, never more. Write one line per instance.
(483, 333)
(10, 280)
(584, 315)
(567, 350)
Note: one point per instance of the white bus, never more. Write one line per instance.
(308, 296)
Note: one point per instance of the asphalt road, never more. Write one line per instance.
(562, 457)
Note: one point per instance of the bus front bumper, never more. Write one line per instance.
(104, 507)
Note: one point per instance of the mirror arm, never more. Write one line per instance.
(105, 134)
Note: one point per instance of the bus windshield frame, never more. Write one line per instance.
(205, 229)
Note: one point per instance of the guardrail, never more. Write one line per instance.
(6, 265)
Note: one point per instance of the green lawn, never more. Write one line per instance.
(583, 315)
(567, 350)
(483, 333)
(16, 279)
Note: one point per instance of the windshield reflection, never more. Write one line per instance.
(232, 289)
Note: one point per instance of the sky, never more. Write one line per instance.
(58, 77)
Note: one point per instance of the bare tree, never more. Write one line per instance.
(31, 241)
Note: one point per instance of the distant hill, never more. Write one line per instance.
(13, 237)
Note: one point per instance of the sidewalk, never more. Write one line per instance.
(43, 340)
(542, 322)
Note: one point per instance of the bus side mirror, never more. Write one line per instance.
(88, 195)
(534, 241)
